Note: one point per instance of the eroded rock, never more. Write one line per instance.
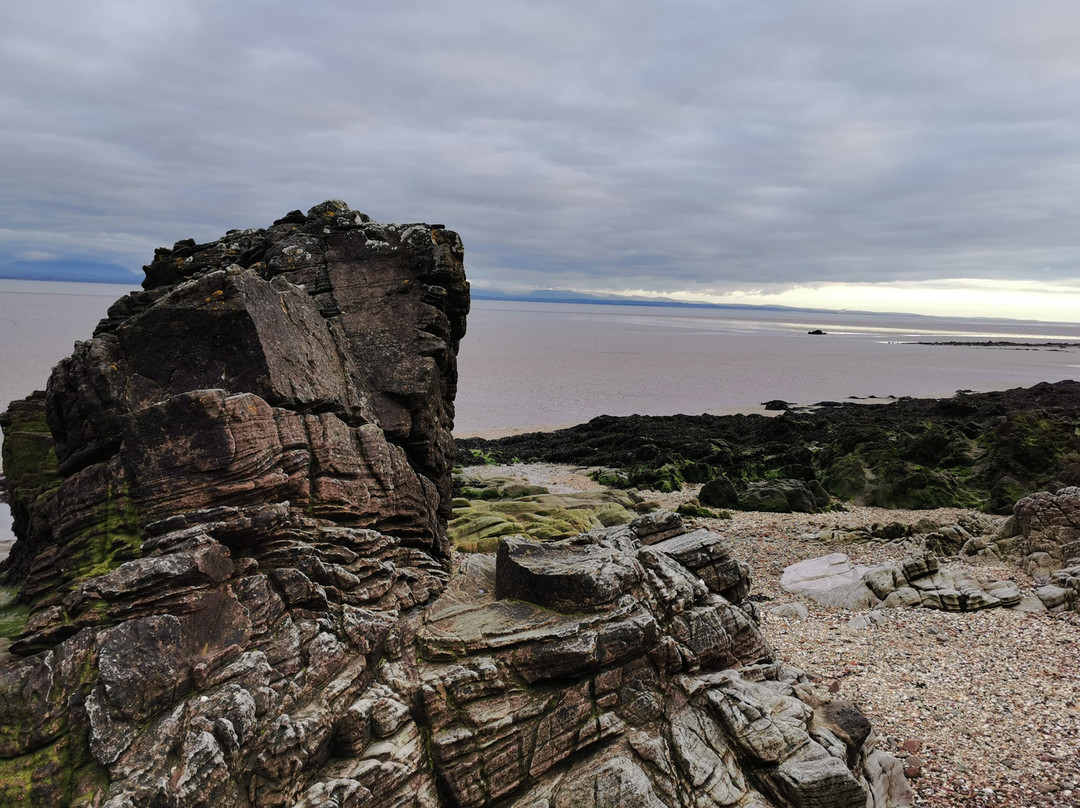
(833, 580)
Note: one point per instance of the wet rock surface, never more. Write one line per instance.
(238, 590)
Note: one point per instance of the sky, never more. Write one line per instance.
(877, 154)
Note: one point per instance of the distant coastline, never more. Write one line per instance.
(568, 296)
(69, 272)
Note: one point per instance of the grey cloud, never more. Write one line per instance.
(675, 145)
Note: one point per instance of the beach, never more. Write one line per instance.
(983, 707)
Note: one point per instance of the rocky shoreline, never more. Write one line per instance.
(247, 576)
(982, 707)
(981, 450)
(235, 583)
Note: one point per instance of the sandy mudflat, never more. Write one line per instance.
(506, 432)
(990, 700)
(495, 434)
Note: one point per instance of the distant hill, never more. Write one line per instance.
(569, 296)
(70, 271)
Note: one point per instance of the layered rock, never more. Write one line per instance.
(232, 509)
(1043, 536)
(224, 504)
(833, 580)
(603, 671)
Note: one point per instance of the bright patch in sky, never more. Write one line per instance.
(957, 298)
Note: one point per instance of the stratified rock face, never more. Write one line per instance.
(231, 509)
(223, 505)
(605, 672)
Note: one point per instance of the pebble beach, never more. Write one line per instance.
(983, 707)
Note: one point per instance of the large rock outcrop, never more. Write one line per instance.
(232, 509)
(1043, 536)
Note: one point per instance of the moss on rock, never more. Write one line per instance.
(477, 526)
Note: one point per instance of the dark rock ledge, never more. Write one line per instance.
(234, 587)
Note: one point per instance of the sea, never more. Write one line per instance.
(544, 365)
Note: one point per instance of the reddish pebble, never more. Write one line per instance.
(911, 745)
(912, 772)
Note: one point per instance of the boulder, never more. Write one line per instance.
(563, 575)
(1043, 537)
(719, 493)
(831, 580)
(783, 496)
(1049, 523)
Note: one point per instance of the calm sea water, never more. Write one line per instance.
(525, 364)
(542, 364)
(39, 324)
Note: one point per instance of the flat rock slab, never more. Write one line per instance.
(467, 619)
(831, 580)
(696, 548)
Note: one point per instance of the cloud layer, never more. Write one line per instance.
(705, 146)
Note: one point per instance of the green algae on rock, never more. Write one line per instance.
(973, 450)
(477, 525)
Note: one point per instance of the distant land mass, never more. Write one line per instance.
(570, 296)
(70, 272)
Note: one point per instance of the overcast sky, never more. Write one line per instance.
(911, 155)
